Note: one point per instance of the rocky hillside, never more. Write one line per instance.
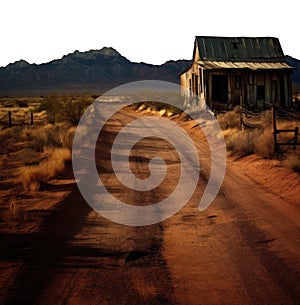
(95, 71)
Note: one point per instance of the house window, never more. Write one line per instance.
(238, 81)
(235, 47)
(260, 92)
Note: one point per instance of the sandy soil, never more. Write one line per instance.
(244, 249)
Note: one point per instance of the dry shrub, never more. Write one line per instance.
(240, 142)
(16, 132)
(28, 156)
(292, 162)
(38, 138)
(247, 142)
(31, 176)
(68, 137)
(228, 132)
(264, 144)
(56, 136)
(229, 120)
(266, 118)
(8, 137)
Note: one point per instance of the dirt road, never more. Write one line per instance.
(244, 249)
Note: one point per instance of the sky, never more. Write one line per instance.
(155, 31)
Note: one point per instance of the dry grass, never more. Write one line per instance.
(244, 143)
(292, 162)
(27, 156)
(258, 141)
(240, 142)
(230, 119)
(38, 152)
(264, 144)
(31, 176)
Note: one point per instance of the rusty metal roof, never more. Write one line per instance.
(243, 65)
(237, 49)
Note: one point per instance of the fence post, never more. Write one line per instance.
(9, 119)
(274, 128)
(296, 137)
(31, 117)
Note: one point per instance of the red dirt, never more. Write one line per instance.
(244, 249)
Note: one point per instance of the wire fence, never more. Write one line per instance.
(253, 120)
(10, 119)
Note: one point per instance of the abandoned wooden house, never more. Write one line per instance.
(230, 71)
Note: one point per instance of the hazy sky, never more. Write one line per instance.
(150, 31)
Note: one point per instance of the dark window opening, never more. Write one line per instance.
(196, 84)
(235, 45)
(260, 92)
(220, 88)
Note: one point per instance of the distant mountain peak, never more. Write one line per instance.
(18, 64)
(105, 51)
(109, 51)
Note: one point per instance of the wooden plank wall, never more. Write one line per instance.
(247, 94)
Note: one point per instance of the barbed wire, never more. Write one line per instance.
(21, 115)
(252, 125)
(246, 111)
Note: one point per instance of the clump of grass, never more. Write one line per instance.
(67, 137)
(51, 136)
(230, 119)
(244, 143)
(240, 142)
(31, 176)
(54, 136)
(259, 141)
(8, 138)
(28, 156)
(292, 162)
(264, 144)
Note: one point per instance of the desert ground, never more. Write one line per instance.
(244, 249)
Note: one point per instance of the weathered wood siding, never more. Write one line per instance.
(248, 88)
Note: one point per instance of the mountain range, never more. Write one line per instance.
(93, 71)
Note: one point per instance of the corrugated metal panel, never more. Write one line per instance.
(243, 65)
(257, 49)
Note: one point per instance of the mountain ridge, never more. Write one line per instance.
(91, 71)
(95, 71)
